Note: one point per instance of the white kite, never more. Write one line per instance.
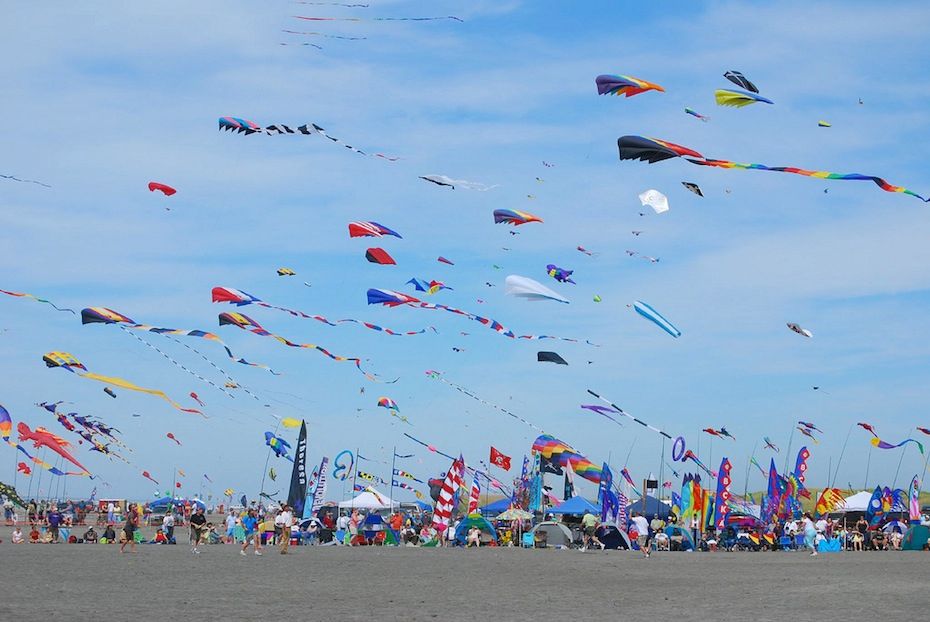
(523, 287)
(656, 200)
(801, 331)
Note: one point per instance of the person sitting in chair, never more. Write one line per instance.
(474, 537)
(90, 536)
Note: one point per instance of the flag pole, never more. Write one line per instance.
(842, 453)
(393, 472)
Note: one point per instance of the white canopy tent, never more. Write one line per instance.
(368, 500)
(858, 502)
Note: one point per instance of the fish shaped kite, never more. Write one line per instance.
(810, 426)
(514, 217)
(624, 85)
(149, 477)
(67, 362)
(244, 126)
(653, 150)
(559, 274)
(197, 399)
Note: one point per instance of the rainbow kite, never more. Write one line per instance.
(561, 453)
(37, 299)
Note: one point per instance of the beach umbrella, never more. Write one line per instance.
(515, 514)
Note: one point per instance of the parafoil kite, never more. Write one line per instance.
(624, 85)
(364, 229)
(693, 188)
(391, 298)
(386, 402)
(524, 287)
(740, 80)
(241, 298)
(109, 392)
(246, 323)
(290, 422)
(654, 199)
(66, 361)
(801, 331)
(824, 124)
(244, 126)
(514, 217)
(379, 256)
(278, 445)
(286, 272)
(655, 317)
(37, 299)
(695, 113)
(163, 188)
(550, 357)
(442, 180)
(653, 150)
(559, 274)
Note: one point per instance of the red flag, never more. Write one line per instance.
(500, 460)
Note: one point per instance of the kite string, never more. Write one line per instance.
(437, 376)
(215, 366)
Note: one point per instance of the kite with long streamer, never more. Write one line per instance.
(37, 299)
(435, 375)
(390, 298)
(241, 298)
(378, 19)
(690, 455)
(877, 442)
(246, 323)
(604, 411)
(620, 411)
(68, 362)
(244, 126)
(654, 150)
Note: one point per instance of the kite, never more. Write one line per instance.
(342, 471)
(442, 180)
(866, 426)
(689, 455)
(442, 259)
(830, 499)
(653, 150)
(877, 442)
(290, 422)
(196, 398)
(523, 287)
(695, 113)
(654, 199)
(801, 331)
(379, 256)
(244, 126)
(924, 430)
(550, 357)
(769, 444)
(585, 251)
(286, 272)
(6, 428)
(629, 416)
(737, 98)
(272, 474)
(25, 181)
(655, 317)
(148, 476)
(41, 437)
(23, 468)
(241, 298)
(824, 124)
(723, 432)
(66, 361)
(712, 432)
(364, 229)
(604, 411)
(597, 298)
(514, 217)
(430, 287)
(109, 392)
(102, 315)
(810, 426)
(246, 323)
(163, 188)
(378, 19)
(435, 375)
(624, 85)
(173, 437)
(693, 188)
(320, 34)
(559, 453)
(560, 274)
(741, 81)
(808, 433)
(278, 445)
(386, 402)
(391, 298)
(37, 299)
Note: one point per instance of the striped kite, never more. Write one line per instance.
(514, 217)
(624, 85)
(656, 318)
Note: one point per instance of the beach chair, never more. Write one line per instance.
(785, 543)
(528, 541)
(799, 541)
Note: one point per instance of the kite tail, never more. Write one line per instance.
(220, 369)
(125, 384)
(37, 299)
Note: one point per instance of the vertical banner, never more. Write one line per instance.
(320, 492)
(297, 494)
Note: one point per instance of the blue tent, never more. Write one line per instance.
(652, 506)
(575, 505)
(474, 520)
(496, 507)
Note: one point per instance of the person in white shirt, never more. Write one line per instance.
(343, 523)
(791, 528)
(230, 527)
(642, 532)
(111, 513)
(167, 525)
(282, 524)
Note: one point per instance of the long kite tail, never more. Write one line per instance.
(628, 415)
(37, 299)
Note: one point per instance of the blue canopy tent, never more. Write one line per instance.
(575, 505)
(161, 505)
(652, 506)
(496, 507)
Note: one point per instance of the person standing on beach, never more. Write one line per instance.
(231, 527)
(53, 520)
(250, 527)
(198, 523)
(129, 529)
(642, 532)
(111, 512)
(167, 524)
(810, 533)
(285, 519)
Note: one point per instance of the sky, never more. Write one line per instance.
(101, 100)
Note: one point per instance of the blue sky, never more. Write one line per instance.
(102, 101)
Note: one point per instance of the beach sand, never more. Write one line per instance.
(95, 582)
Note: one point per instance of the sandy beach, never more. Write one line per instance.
(325, 583)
